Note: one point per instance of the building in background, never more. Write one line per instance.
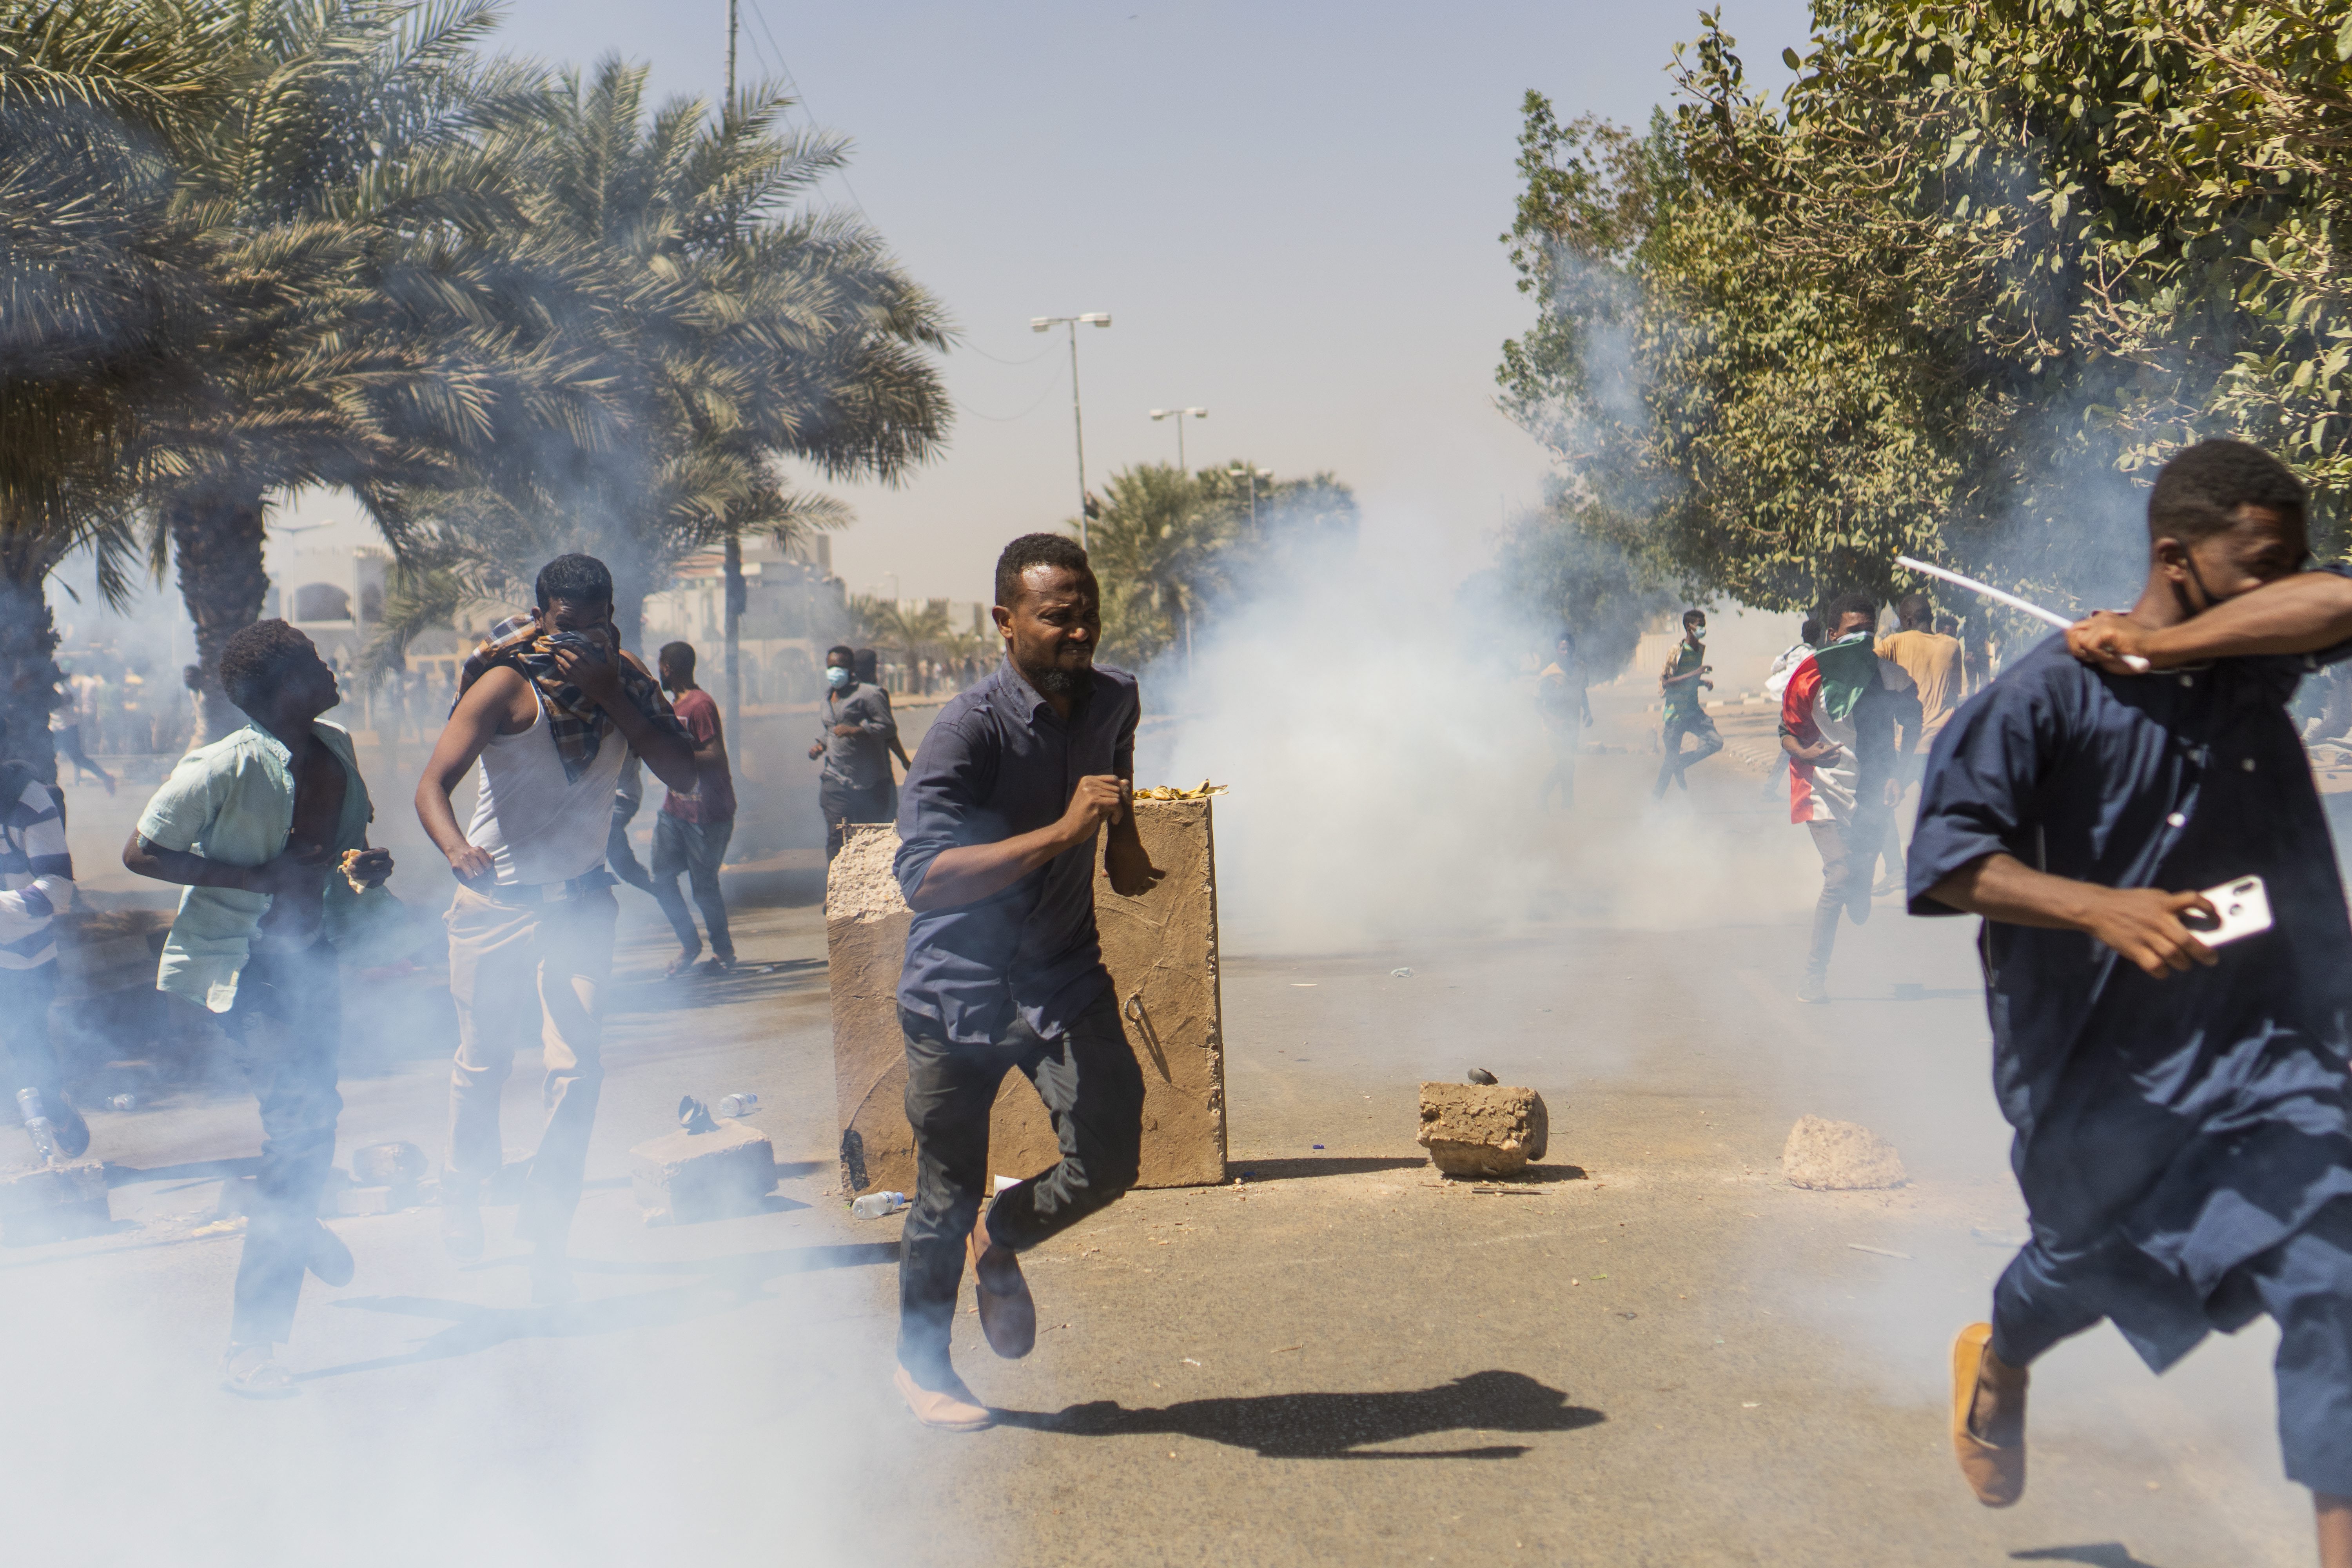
(793, 609)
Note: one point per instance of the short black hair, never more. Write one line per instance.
(1917, 608)
(844, 649)
(2198, 494)
(582, 579)
(1811, 631)
(678, 656)
(255, 655)
(1690, 616)
(869, 665)
(1565, 637)
(1855, 603)
(1035, 550)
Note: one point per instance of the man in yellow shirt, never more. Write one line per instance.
(1934, 665)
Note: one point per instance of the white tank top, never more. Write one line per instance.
(537, 825)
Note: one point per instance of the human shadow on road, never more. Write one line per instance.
(1338, 1426)
(2104, 1554)
(727, 1284)
(1299, 1169)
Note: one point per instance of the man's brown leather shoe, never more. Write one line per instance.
(1996, 1474)
(1007, 1316)
(950, 1409)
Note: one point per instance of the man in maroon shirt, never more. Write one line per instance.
(691, 834)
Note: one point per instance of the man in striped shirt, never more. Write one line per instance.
(36, 882)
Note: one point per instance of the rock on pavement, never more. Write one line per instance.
(1831, 1155)
(1483, 1130)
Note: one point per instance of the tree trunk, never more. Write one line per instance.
(29, 676)
(217, 536)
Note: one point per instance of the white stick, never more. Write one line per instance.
(2132, 661)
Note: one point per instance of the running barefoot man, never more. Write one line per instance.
(1010, 788)
(2183, 1119)
(266, 828)
(550, 705)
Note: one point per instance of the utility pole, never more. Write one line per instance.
(1077, 419)
(732, 564)
(1177, 415)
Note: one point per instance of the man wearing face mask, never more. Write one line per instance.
(1681, 681)
(2182, 1111)
(1012, 788)
(855, 741)
(551, 706)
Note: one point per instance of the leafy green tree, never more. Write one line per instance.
(1171, 548)
(101, 307)
(1973, 259)
(728, 327)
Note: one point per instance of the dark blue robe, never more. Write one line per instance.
(2167, 1132)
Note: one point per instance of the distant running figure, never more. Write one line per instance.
(1682, 680)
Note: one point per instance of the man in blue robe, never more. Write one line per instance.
(2183, 1117)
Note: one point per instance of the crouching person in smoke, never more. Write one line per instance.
(2182, 1112)
(266, 828)
(550, 705)
(1009, 791)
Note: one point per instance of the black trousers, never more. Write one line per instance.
(696, 849)
(24, 998)
(1093, 1089)
(842, 806)
(286, 1029)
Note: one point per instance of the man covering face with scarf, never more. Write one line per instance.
(551, 706)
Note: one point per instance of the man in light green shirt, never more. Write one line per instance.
(266, 828)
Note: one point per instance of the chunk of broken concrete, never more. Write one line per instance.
(1834, 1155)
(683, 1177)
(1482, 1130)
(53, 1203)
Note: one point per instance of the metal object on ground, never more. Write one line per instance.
(2137, 664)
(391, 1164)
(695, 1116)
(1480, 1075)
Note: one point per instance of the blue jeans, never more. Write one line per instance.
(695, 848)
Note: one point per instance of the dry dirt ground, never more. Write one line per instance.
(1655, 1353)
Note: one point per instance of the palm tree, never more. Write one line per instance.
(99, 306)
(887, 626)
(341, 199)
(727, 329)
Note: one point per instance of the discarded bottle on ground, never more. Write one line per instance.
(739, 1105)
(124, 1102)
(873, 1205)
(36, 1122)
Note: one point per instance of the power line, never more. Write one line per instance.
(800, 96)
(1051, 387)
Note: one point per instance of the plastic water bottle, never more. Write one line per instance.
(739, 1105)
(36, 1122)
(124, 1102)
(873, 1205)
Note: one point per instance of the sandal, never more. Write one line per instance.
(251, 1372)
(680, 964)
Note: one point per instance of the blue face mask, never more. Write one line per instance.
(836, 677)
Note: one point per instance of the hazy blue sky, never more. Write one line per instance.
(1290, 212)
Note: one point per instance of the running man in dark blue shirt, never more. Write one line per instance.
(1007, 794)
(2183, 1121)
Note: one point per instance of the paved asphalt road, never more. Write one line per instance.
(1657, 1353)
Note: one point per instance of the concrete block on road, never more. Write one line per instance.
(684, 1177)
(1483, 1130)
(1162, 951)
(53, 1203)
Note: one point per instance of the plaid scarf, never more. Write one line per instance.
(576, 722)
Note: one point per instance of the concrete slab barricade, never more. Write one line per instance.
(1162, 951)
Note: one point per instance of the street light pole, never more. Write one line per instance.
(731, 590)
(1254, 474)
(1178, 415)
(1077, 418)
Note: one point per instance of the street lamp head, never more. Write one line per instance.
(1160, 413)
(1099, 317)
(1041, 323)
(1198, 413)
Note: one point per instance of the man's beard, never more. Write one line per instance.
(1053, 680)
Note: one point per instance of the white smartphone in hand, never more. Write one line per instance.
(2244, 908)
